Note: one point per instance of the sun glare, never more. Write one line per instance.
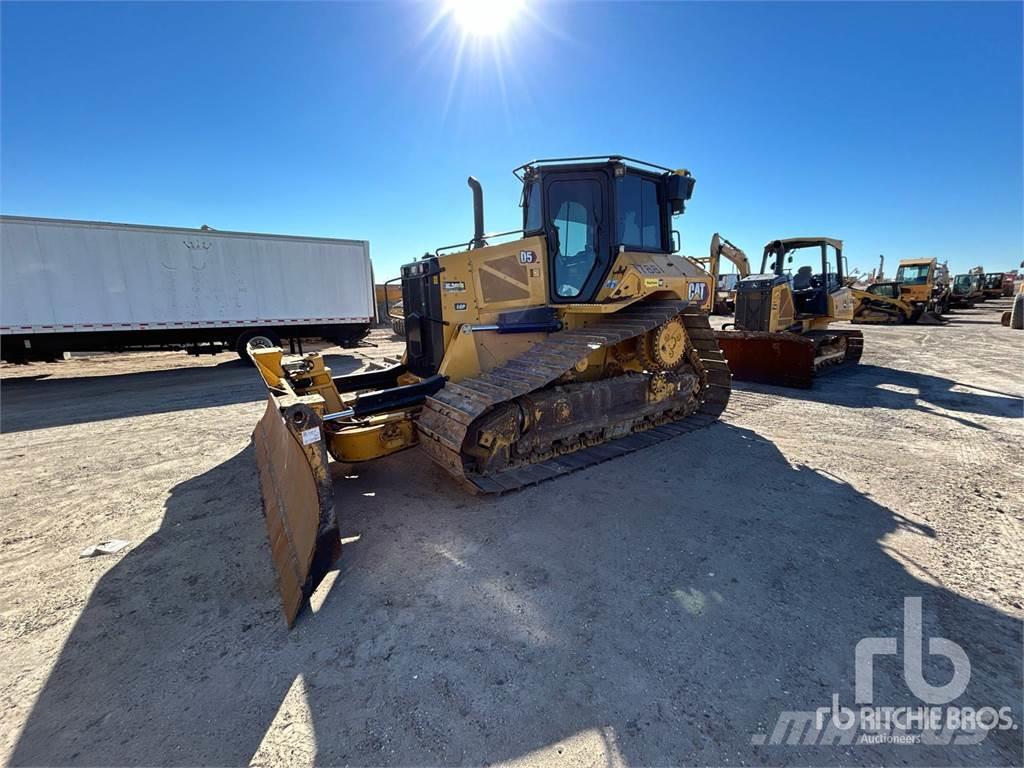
(483, 18)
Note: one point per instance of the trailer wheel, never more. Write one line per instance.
(263, 338)
(398, 326)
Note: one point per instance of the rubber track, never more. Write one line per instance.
(446, 417)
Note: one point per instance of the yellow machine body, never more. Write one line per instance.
(483, 283)
(506, 368)
(919, 294)
(781, 333)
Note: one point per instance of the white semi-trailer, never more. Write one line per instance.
(90, 285)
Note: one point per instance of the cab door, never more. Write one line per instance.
(578, 233)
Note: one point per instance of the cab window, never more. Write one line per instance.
(575, 210)
(639, 215)
(913, 274)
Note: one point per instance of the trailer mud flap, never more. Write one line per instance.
(298, 499)
(769, 358)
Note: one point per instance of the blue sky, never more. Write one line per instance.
(897, 127)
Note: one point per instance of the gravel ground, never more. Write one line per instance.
(662, 608)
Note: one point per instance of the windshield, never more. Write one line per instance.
(803, 266)
(884, 289)
(962, 282)
(576, 217)
(638, 224)
(913, 274)
(994, 280)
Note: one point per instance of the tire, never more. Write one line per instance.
(1017, 313)
(262, 338)
(398, 326)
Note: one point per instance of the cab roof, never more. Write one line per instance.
(915, 262)
(591, 161)
(791, 243)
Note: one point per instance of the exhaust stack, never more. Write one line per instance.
(478, 213)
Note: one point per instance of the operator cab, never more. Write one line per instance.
(819, 270)
(963, 284)
(590, 208)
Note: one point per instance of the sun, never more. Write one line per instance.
(483, 18)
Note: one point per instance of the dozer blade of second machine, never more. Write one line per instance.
(584, 338)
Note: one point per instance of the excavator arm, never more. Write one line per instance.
(722, 248)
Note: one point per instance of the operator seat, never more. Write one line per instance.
(809, 299)
(802, 279)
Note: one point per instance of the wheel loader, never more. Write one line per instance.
(582, 338)
(781, 332)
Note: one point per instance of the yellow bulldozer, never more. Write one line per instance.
(583, 338)
(780, 334)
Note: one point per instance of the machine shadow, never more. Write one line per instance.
(39, 403)
(608, 614)
(156, 670)
(874, 386)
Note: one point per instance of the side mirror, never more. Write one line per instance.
(772, 266)
(680, 189)
(790, 259)
(677, 242)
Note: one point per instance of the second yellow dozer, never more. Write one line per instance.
(582, 339)
(780, 334)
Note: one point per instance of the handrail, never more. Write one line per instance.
(545, 161)
(470, 242)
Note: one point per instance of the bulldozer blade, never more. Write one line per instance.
(783, 359)
(298, 499)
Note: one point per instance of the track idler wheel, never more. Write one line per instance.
(664, 348)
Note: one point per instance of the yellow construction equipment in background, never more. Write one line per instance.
(582, 339)
(921, 294)
(966, 291)
(725, 284)
(781, 330)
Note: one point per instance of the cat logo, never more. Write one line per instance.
(698, 292)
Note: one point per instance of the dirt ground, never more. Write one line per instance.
(661, 608)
